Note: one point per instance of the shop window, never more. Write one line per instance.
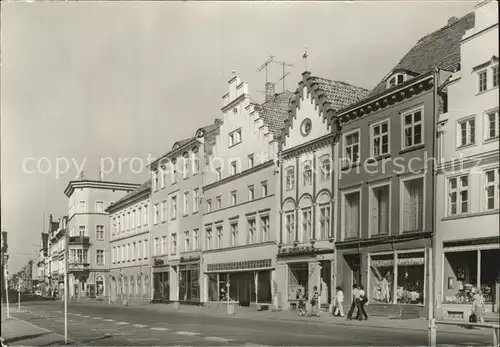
(100, 285)
(189, 288)
(212, 287)
(161, 286)
(298, 275)
(410, 278)
(382, 278)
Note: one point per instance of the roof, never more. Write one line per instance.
(439, 49)
(338, 93)
(142, 188)
(275, 111)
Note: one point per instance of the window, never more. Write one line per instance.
(290, 227)
(196, 198)
(145, 215)
(163, 247)
(196, 161)
(132, 220)
(174, 244)
(209, 205)
(264, 188)
(413, 196)
(492, 189)
(185, 204)
(113, 228)
(351, 147)
(173, 207)
(134, 249)
(163, 173)
(492, 124)
(127, 221)
(325, 168)
(482, 80)
(380, 211)
(290, 179)
(250, 161)
(100, 257)
(466, 130)
(233, 198)
(209, 238)
(156, 215)
(234, 234)
(155, 180)
(220, 237)
(235, 137)
(218, 174)
(156, 246)
(139, 212)
(99, 207)
(306, 174)
(145, 249)
(99, 232)
(234, 169)
(251, 193)
(306, 225)
(83, 207)
(219, 202)
(113, 255)
(458, 191)
(380, 138)
(395, 80)
(412, 128)
(196, 239)
(173, 171)
(494, 71)
(139, 249)
(352, 214)
(251, 231)
(164, 210)
(185, 166)
(81, 231)
(324, 222)
(187, 241)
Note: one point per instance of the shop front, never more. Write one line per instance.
(161, 283)
(466, 271)
(303, 268)
(189, 281)
(395, 275)
(246, 282)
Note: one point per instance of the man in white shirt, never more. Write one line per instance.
(361, 304)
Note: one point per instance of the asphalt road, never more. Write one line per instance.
(129, 326)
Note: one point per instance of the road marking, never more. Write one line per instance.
(86, 316)
(159, 329)
(109, 320)
(217, 339)
(38, 327)
(97, 318)
(139, 325)
(122, 323)
(188, 333)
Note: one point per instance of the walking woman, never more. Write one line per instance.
(478, 307)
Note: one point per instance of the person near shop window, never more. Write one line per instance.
(339, 298)
(315, 302)
(354, 302)
(478, 307)
(361, 305)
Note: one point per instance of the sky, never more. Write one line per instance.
(90, 82)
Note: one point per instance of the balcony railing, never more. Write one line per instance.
(78, 266)
(79, 240)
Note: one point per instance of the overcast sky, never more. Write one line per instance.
(91, 80)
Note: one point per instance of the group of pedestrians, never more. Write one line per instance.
(358, 302)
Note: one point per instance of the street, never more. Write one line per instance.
(135, 326)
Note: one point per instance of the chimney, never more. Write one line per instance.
(452, 20)
(269, 91)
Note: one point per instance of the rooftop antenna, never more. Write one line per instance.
(304, 56)
(264, 66)
(81, 177)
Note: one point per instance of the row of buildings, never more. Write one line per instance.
(396, 188)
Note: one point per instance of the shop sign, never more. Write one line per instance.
(411, 261)
(158, 262)
(383, 263)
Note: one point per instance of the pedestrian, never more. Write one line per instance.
(478, 307)
(315, 302)
(339, 298)
(301, 303)
(354, 302)
(361, 305)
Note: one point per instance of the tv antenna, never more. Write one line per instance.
(283, 64)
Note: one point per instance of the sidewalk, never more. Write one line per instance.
(16, 332)
(291, 316)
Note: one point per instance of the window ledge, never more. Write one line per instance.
(469, 145)
(491, 139)
(486, 90)
(233, 145)
(380, 157)
(411, 149)
(470, 215)
(350, 166)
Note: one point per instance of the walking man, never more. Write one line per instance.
(339, 297)
(361, 305)
(355, 301)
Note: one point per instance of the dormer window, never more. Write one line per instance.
(395, 80)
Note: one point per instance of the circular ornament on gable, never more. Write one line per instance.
(305, 127)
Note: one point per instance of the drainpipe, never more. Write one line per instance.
(432, 256)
